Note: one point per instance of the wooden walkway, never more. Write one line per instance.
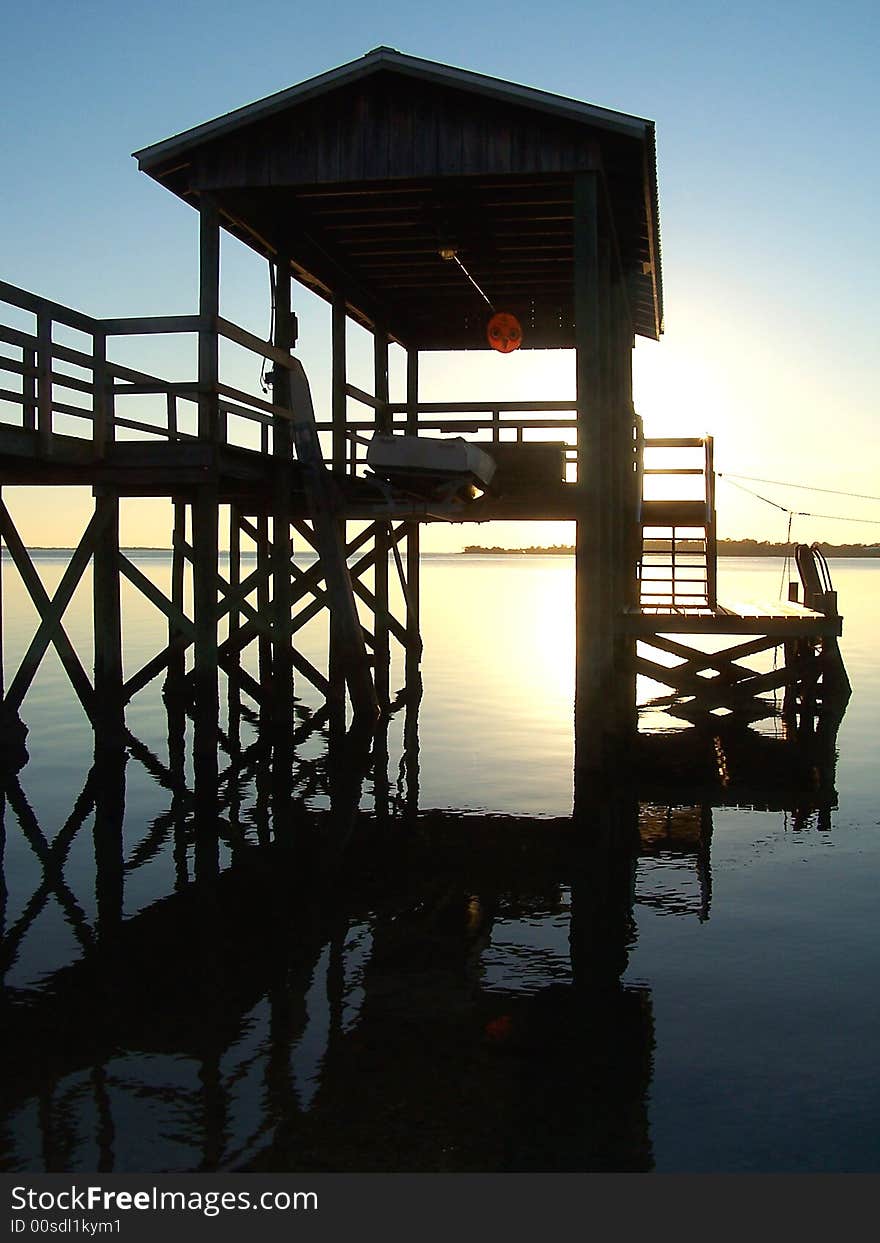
(780, 619)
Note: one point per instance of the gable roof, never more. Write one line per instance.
(401, 149)
(412, 66)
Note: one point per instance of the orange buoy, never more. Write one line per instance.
(504, 332)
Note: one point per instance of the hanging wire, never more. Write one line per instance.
(798, 513)
(805, 487)
(481, 292)
(787, 562)
(272, 287)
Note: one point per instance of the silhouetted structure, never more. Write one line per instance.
(400, 191)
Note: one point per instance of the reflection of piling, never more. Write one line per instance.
(602, 889)
(4, 892)
(109, 787)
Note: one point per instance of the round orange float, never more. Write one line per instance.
(504, 332)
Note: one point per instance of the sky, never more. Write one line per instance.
(766, 123)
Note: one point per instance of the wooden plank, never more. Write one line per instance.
(714, 624)
(393, 626)
(154, 666)
(483, 407)
(698, 659)
(32, 302)
(266, 349)
(148, 325)
(179, 621)
(366, 399)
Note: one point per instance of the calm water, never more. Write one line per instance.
(479, 986)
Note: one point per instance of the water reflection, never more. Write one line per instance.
(324, 987)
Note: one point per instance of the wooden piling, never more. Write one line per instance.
(109, 711)
(205, 519)
(234, 626)
(339, 457)
(174, 679)
(382, 645)
(282, 546)
(109, 771)
(413, 559)
(594, 652)
(210, 421)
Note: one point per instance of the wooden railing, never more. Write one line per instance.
(46, 400)
(80, 392)
(489, 422)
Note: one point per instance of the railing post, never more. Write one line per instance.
(29, 389)
(44, 380)
(102, 430)
(711, 532)
(171, 406)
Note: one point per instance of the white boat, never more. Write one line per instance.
(430, 467)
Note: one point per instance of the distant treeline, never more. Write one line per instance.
(726, 548)
(552, 550)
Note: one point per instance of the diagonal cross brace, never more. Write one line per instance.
(51, 612)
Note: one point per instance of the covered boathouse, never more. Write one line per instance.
(418, 200)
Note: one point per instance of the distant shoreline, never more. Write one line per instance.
(726, 548)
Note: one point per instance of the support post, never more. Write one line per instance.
(264, 642)
(594, 649)
(174, 681)
(339, 379)
(109, 711)
(210, 422)
(234, 577)
(205, 517)
(282, 546)
(339, 448)
(109, 772)
(102, 396)
(382, 649)
(413, 560)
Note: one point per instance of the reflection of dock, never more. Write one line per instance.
(349, 981)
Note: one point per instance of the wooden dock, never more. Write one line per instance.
(398, 166)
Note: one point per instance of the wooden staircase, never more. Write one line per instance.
(677, 568)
